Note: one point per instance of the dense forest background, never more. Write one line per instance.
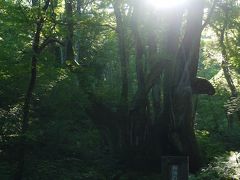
(102, 89)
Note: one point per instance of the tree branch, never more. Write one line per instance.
(155, 73)
(209, 15)
(48, 41)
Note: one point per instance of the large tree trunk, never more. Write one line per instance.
(172, 45)
(173, 134)
(182, 135)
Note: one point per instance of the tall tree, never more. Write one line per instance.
(37, 48)
(123, 50)
(69, 53)
(221, 27)
(172, 132)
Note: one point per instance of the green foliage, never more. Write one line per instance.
(223, 167)
(209, 63)
(209, 146)
(62, 141)
(211, 114)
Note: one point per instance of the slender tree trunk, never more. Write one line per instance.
(27, 102)
(24, 128)
(156, 98)
(78, 47)
(225, 68)
(124, 62)
(225, 64)
(139, 49)
(123, 52)
(69, 56)
(156, 89)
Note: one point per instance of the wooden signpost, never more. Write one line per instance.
(175, 168)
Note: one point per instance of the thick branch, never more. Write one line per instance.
(155, 73)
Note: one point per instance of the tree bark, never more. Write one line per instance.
(78, 45)
(69, 56)
(182, 135)
(27, 102)
(156, 89)
(138, 129)
(225, 60)
(225, 66)
(124, 67)
(123, 52)
(172, 45)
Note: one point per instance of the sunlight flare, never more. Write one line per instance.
(159, 4)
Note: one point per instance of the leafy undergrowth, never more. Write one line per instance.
(220, 152)
(223, 167)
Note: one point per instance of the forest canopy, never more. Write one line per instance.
(105, 89)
